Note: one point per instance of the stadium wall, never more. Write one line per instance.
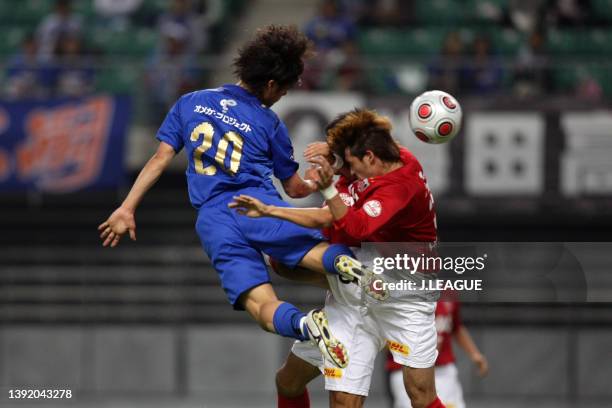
(215, 361)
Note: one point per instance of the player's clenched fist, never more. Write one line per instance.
(325, 171)
(119, 222)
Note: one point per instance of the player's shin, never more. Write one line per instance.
(289, 321)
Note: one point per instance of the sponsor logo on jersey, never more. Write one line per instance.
(332, 372)
(227, 103)
(373, 208)
(357, 187)
(398, 347)
(347, 199)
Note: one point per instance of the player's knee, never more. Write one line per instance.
(288, 385)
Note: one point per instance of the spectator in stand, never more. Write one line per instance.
(588, 87)
(172, 70)
(532, 74)
(569, 13)
(526, 15)
(75, 71)
(26, 76)
(115, 13)
(182, 13)
(342, 70)
(59, 23)
(388, 13)
(483, 73)
(330, 30)
(210, 14)
(336, 65)
(445, 71)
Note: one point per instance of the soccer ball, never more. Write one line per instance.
(435, 117)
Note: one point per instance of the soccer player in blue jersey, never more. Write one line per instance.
(235, 143)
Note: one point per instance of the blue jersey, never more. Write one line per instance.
(232, 142)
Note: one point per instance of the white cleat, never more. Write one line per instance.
(331, 348)
(352, 270)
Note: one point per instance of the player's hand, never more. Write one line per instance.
(249, 206)
(318, 149)
(311, 173)
(481, 364)
(120, 221)
(326, 173)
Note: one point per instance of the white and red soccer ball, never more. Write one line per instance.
(435, 117)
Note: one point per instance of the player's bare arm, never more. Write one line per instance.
(306, 217)
(465, 341)
(297, 187)
(122, 220)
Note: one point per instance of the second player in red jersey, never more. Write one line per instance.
(449, 326)
(383, 208)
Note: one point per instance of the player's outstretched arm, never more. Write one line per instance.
(122, 220)
(463, 338)
(307, 217)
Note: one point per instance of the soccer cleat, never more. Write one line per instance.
(330, 347)
(354, 271)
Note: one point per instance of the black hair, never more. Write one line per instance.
(276, 53)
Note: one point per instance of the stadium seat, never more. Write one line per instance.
(381, 80)
(507, 41)
(432, 12)
(565, 41)
(602, 9)
(598, 42)
(393, 42)
(11, 38)
(580, 42)
(122, 79)
(135, 42)
(567, 78)
(25, 12)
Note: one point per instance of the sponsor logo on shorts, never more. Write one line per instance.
(332, 372)
(398, 347)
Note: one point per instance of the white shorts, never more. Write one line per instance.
(407, 328)
(448, 388)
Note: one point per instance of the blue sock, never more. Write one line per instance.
(333, 252)
(288, 322)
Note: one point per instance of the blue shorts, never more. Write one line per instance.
(234, 243)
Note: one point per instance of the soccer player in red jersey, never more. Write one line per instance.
(389, 202)
(449, 327)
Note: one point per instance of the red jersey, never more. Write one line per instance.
(448, 321)
(394, 207)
